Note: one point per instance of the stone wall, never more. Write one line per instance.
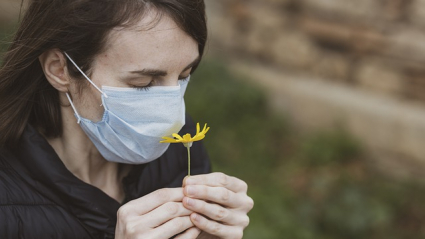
(375, 45)
(325, 61)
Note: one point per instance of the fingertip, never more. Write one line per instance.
(184, 180)
(189, 180)
(195, 217)
(185, 201)
(185, 193)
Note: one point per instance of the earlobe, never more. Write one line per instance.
(54, 66)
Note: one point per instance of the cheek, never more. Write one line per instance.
(88, 104)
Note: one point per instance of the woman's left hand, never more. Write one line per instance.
(220, 204)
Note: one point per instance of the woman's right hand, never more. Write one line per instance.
(158, 215)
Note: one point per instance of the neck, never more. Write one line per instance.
(81, 158)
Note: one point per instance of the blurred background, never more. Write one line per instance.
(319, 105)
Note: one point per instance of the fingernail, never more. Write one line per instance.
(190, 202)
(190, 191)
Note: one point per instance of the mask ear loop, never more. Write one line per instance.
(73, 107)
(87, 78)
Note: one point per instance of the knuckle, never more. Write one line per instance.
(221, 214)
(244, 186)
(215, 229)
(245, 221)
(225, 195)
(201, 222)
(250, 203)
(129, 229)
(172, 208)
(223, 179)
(123, 212)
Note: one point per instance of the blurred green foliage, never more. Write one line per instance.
(6, 34)
(315, 186)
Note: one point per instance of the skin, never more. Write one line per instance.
(134, 58)
(220, 204)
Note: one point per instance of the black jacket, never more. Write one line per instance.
(41, 198)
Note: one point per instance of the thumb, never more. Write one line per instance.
(184, 180)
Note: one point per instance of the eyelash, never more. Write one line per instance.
(148, 86)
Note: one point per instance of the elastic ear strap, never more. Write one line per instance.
(73, 107)
(91, 82)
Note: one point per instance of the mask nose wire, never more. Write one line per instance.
(85, 76)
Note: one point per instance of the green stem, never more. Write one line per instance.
(188, 160)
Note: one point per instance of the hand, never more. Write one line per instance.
(158, 215)
(220, 204)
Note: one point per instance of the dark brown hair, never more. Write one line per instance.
(80, 28)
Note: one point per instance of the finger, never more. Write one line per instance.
(217, 180)
(171, 228)
(191, 233)
(216, 212)
(165, 213)
(217, 195)
(215, 228)
(151, 201)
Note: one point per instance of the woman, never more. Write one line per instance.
(87, 89)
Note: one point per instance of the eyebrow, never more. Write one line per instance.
(157, 73)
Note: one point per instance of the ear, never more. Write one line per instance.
(54, 65)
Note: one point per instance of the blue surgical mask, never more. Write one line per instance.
(134, 121)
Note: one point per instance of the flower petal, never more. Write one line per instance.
(168, 140)
(197, 128)
(198, 137)
(177, 136)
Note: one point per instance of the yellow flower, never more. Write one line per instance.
(187, 138)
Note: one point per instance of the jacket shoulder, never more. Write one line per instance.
(13, 187)
(25, 213)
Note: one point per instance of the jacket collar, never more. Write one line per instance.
(50, 177)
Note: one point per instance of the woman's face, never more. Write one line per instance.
(138, 57)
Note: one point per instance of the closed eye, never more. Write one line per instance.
(148, 86)
(145, 87)
(184, 78)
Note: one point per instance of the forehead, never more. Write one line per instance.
(152, 42)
